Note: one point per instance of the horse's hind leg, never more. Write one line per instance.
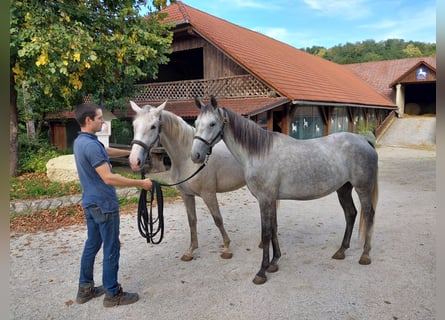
(366, 226)
(273, 267)
(212, 203)
(345, 197)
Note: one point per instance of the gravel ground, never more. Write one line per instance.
(399, 283)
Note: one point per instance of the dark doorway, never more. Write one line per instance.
(183, 65)
(420, 98)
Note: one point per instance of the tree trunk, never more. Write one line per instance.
(13, 129)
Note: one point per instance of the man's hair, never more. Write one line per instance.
(85, 110)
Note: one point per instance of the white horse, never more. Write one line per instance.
(222, 173)
(277, 166)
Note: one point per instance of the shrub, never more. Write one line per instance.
(33, 155)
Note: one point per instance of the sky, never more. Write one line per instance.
(327, 23)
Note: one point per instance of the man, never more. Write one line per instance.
(101, 207)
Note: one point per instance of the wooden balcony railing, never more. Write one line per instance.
(228, 87)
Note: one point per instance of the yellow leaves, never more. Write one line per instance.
(42, 59)
(121, 54)
(64, 16)
(75, 82)
(76, 57)
(48, 91)
(27, 16)
(17, 70)
(65, 92)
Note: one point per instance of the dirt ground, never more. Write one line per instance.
(399, 283)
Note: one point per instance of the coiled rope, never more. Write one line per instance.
(148, 226)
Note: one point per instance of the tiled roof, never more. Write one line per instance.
(245, 107)
(381, 74)
(293, 73)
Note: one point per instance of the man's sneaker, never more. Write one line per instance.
(121, 298)
(87, 293)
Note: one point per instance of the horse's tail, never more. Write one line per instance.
(375, 197)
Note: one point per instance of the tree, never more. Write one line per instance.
(66, 49)
(369, 50)
(412, 51)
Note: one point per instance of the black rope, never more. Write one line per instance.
(148, 227)
(146, 224)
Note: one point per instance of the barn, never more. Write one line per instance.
(274, 84)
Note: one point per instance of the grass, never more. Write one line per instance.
(38, 186)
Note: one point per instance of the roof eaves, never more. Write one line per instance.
(268, 107)
(337, 104)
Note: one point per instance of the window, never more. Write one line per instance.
(306, 123)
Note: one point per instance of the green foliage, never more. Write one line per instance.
(125, 201)
(121, 131)
(32, 186)
(170, 192)
(369, 50)
(33, 155)
(65, 50)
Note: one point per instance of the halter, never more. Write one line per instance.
(145, 146)
(218, 137)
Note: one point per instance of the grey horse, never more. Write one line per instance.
(277, 166)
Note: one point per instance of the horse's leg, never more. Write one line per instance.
(273, 267)
(212, 203)
(345, 197)
(366, 222)
(266, 207)
(190, 206)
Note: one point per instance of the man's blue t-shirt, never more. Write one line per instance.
(89, 153)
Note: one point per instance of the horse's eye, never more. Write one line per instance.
(153, 127)
(212, 124)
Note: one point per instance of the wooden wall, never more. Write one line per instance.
(216, 63)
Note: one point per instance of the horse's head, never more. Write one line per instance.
(209, 129)
(146, 130)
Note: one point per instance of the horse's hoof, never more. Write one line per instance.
(226, 255)
(339, 255)
(365, 260)
(272, 268)
(259, 280)
(186, 257)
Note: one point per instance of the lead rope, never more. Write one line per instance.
(146, 224)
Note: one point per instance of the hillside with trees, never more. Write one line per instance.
(370, 50)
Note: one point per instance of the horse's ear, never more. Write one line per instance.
(135, 107)
(213, 102)
(198, 103)
(162, 106)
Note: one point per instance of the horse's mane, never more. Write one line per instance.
(248, 134)
(178, 128)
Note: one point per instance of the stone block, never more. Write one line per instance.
(62, 169)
